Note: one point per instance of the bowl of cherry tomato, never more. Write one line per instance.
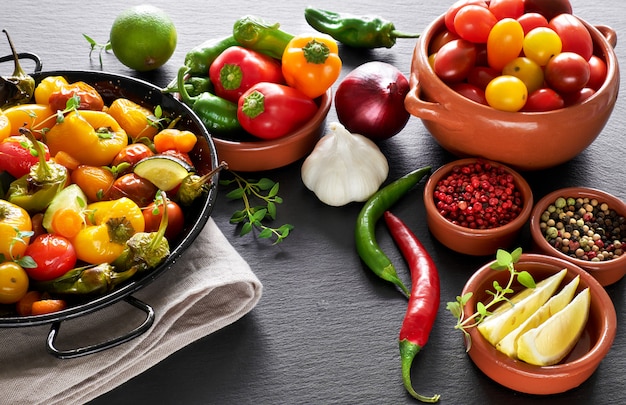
(500, 94)
(124, 131)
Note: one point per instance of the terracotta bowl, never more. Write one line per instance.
(523, 140)
(475, 242)
(580, 363)
(606, 272)
(247, 154)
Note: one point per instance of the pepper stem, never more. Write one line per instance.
(408, 351)
(400, 34)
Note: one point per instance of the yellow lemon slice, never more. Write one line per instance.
(551, 341)
(495, 327)
(508, 344)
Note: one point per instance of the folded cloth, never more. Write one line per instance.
(209, 287)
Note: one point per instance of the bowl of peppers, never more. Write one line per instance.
(72, 195)
(262, 93)
(473, 104)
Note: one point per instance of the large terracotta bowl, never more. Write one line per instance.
(580, 363)
(523, 140)
(475, 242)
(247, 154)
(606, 272)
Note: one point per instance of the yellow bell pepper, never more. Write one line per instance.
(47, 86)
(31, 116)
(91, 137)
(134, 118)
(109, 225)
(311, 63)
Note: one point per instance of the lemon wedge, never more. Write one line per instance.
(551, 341)
(496, 326)
(508, 344)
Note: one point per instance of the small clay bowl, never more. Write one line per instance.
(475, 242)
(522, 140)
(606, 272)
(251, 155)
(578, 365)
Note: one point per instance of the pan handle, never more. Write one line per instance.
(95, 348)
(25, 55)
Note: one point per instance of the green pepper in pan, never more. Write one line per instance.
(17, 88)
(92, 279)
(355, 31)
(217, 114)
(256, 34)
(34, 191)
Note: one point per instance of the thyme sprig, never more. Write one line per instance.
(504, 261)
(252, 216)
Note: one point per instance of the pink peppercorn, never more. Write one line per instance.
(478, 196)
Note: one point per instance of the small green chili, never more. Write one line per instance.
(365, 236)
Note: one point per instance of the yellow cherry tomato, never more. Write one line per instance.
(527, 70)
(13, 282)
(15, 229)
(5, 126)
(541, 44)
(506, 93)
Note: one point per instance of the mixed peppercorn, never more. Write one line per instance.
(584, 228)
(478, 196)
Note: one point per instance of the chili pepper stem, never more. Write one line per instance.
(400, 34)
(408, 351)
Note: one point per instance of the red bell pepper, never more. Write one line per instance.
(17, 155)
(271, 110)
(237, 69)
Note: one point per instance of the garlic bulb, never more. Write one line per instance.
(344, 167)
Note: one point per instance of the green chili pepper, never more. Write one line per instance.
(200, 58)
(92, 279)
(17, 88)
(355, 31)
(365, 236)
(35, 190)
(217, 114)
(256, 34)
(195, 85)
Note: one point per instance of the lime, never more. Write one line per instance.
(143, 37)
(508, 345)
(496, 327)
(551, 341)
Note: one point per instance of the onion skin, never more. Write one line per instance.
(370, 100)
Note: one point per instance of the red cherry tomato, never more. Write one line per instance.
(54, 255)
(454, 9)
(579, 96)
(470, 91)
(548, 8)
(440, 40)
(132, 154)
(480, 76)
(175, 219)
(543, 99)
(574, 35)
(455, 60)
(506, 8)
(598, 72)
(532, 20)
(132, 186)
(474, 23)
(567, 72)
(504, 42)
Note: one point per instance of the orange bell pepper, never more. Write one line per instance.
(175, 139)
(47, 86)
(311, 63)
(92, 137)
(136, 120)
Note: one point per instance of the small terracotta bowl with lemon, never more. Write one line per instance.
(522, 140)
(578, 365)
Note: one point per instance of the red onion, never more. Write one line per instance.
(370, 101)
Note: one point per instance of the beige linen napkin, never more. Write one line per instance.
(209, 287)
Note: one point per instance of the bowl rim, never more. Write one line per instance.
(324, 102)
(520, 182)
(610, 58)
(583, 365)
(577, 191)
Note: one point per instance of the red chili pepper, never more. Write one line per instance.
(271, 110)
(423, 301)
(237, 69)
